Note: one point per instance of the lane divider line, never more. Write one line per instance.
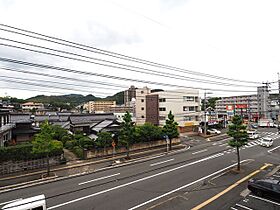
(187, 185)
(135, 181)
(244, 207)
(158, 163)
(230, 187)
(98, 179)
(200, 151)
(7, 202)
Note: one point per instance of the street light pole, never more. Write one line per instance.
(205, 113)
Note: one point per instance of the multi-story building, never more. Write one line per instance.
(5, 127)
(129, 96)
(32, 105)
(140, 106)
(120, 111)
(98, 106)
(184, 105)
(263, 102)
(246, 105)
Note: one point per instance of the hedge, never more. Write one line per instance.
(23, 152)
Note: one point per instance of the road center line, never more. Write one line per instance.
(184, 186)
(154, 164)
(98, 179)
(200, 151)
(273, 149)
(135, 181)
(263, 199)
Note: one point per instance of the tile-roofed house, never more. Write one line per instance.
(83, 122)
(23, 130)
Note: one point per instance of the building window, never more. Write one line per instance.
(188, 98)
(142, 92)
(189, 108)
(142, 116)
(142, 108)
(162, 100)
(142, 100)
(187, 118)
(162, 109)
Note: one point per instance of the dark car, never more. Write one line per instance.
(265, 187)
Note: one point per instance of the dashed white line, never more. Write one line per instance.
(165, 161)
(98, 179)
(1, 204)
(138, 180)
(200, 151)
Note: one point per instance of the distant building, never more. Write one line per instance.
(140, 105)
(120, 111)
(98, 106)
(28, 106)
(245, 105)
(5, 128)
(129, 95)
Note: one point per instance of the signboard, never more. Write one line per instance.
(189, 124)
(241, 106)
(229, 107)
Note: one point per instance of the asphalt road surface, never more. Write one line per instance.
(167, 182)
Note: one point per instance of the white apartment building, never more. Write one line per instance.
(32, 105)
(140, 104)
(98, 106)
(184, 105)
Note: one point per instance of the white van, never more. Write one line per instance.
(34, 203)
(266, 142)
(253, 134)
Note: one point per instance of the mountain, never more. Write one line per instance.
(75, 99)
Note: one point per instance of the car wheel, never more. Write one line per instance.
(259, 193)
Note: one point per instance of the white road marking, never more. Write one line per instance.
(184, 186)
(233, 208)
(136, 181)
(200, 151)
(273, 149)
(263, 199)
(244, 207)
(98, 179)
(165, 161)
(1, 204)
(221, 145)
(276, 176)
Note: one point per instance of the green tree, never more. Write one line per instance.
(58, 132)
(104, 140)
(44, 143)
(239, 134)
(149, 132)
(126, 136)
(170, 128)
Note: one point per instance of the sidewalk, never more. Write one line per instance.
(82, 167)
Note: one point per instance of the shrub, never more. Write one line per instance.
(78, 151)
(69, 145)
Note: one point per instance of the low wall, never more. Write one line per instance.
(17, 166)
(135, 147)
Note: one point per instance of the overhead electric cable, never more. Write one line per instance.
(112, 54)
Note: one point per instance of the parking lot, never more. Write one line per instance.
(253, 202)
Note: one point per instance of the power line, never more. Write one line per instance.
(147, 71)
(112, 54)
(107, 76)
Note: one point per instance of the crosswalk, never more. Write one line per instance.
(253, 143)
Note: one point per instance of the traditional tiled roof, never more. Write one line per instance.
(90, 118)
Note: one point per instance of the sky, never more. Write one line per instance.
(229, 39)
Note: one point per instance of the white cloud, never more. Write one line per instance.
(235, 39)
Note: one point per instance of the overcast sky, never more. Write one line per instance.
(232, 39)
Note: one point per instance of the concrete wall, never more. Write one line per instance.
(140, 146)
(17, 166)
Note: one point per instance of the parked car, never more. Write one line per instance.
(255, 126)
(266, 142)
(265, 187)
(214, 131)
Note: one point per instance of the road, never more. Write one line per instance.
(167, 182)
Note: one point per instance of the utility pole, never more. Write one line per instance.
(278, 104)
(249, 113)
(204, 102)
